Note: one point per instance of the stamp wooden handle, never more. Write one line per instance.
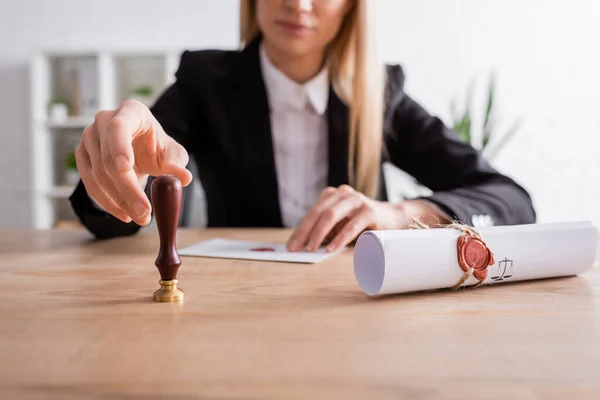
(167, 193)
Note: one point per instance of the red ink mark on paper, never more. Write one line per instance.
(262, 249)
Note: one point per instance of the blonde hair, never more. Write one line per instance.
(357, 78)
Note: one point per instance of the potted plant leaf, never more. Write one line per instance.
(143, 94)
(71, 172)
(58, 110)
(492, 140)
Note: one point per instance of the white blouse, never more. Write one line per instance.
(300, 138)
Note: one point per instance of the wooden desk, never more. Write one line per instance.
(78, 322)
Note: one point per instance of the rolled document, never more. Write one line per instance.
(402, 261)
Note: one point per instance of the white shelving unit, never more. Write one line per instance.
(87, 81)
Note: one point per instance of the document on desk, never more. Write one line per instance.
(249, 250)
(387, 262)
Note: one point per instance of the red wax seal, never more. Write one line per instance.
(262, 249)
(473, 253)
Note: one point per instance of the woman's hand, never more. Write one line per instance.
(341, 214)
(119, 151)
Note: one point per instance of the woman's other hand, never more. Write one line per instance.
(341, 214)
(119, 151)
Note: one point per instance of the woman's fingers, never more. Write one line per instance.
(128, 188)
(300, 236)
(324, 216)
(92, 145)
(173, 160)
(335, 230)
(329, 218)
(120, 148)
(131, 120)
(118, 161)
(93, 188)
(354, 227)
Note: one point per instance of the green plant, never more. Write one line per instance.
(492, 140)
(143, 91)
(55, 102)
(70, 163)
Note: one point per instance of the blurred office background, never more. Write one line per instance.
(545, 55)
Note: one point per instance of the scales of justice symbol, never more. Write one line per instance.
(504, 270)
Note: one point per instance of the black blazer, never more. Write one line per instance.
(218, 110)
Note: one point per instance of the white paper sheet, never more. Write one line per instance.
(388, 262)
(248, 250)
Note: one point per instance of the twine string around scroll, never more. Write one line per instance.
(474, 256)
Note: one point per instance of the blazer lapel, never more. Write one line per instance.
(253, 144)
(252, 141)
(337, 119)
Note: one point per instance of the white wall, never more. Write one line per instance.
(547, 57)
(545, 52)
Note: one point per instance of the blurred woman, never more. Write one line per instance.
(291, 130)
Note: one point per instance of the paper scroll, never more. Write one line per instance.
(401, 261)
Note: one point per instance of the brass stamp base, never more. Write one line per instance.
(168, 292)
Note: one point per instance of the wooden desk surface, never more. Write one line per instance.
(78, 322)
